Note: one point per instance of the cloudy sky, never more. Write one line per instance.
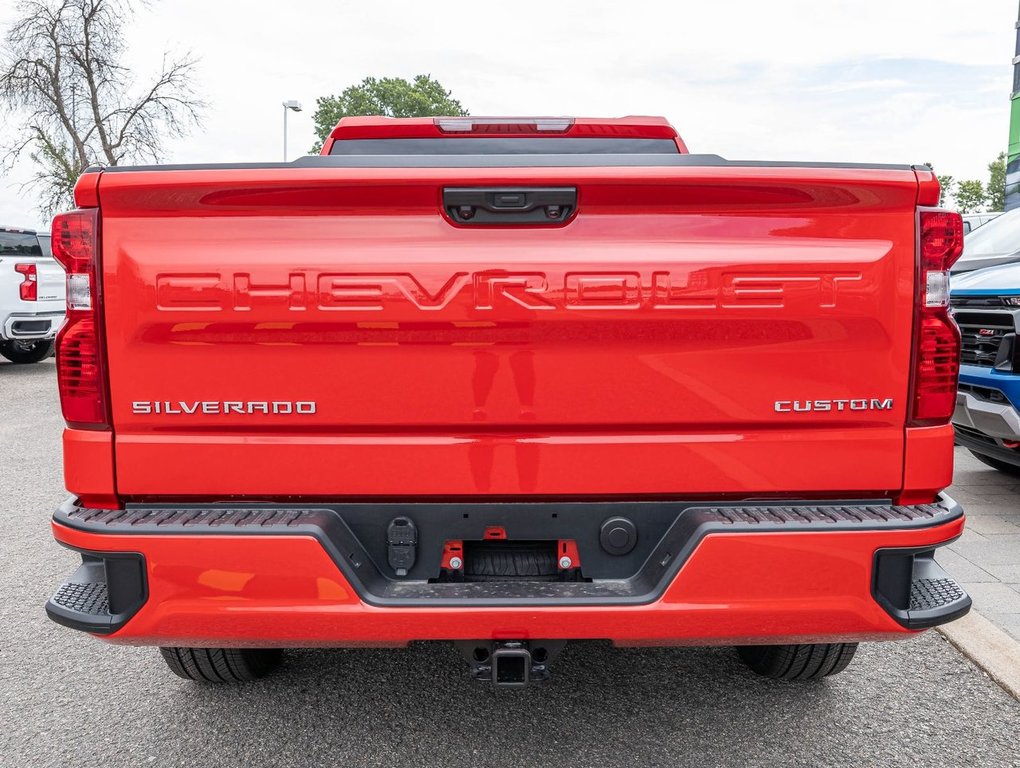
(905, 81)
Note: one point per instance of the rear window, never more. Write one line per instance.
(489, 145)
(19, 243)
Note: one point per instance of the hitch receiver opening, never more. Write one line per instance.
(510, 663)
(511, 666)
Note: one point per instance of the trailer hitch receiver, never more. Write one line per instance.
(510, 663)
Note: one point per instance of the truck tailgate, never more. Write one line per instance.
(328, 332)
(51, 284)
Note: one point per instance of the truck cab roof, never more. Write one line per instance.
(519, 135)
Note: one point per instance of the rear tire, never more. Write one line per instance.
(797, 662)
(1002, 466)
(26, 351)
(221, 665)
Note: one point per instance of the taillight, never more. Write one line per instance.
(936, 336)
(29, 287)
(80, 371)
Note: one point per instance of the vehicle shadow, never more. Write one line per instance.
(604, 706)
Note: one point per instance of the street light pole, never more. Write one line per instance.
(288, 106)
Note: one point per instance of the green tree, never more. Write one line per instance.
(970, 195)
(946, 183)
(389, 96)
(997, 183)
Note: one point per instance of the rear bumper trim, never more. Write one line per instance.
(351, 535)
(915, 590)
(28, 326)
(999, 420)
(103, 594)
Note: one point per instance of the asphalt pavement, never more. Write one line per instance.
(67, 699)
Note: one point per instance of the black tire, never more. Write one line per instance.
(26, 351)
(797, 662)
(1002, 466)
(221, 665)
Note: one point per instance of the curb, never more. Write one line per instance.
(992, 650)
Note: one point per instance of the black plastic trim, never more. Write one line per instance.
(1007, 455)
(504, 161)
(510, 205)
(896, 575)
(348, 532)
(118, 577)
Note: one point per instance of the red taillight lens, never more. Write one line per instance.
(938, 364)
(74, 240)
(29, 287)
(941, 239)
(79, 374)
(80, 370)
(936, 337)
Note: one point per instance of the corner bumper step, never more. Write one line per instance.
(930, 597)
(90, 598)
(107, 589)
(935, 597)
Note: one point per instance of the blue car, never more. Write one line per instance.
(986, 305)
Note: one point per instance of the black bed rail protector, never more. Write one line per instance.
(504, 161)
(354, 536)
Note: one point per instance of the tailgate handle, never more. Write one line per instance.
(510, 205)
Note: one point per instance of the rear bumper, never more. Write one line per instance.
(995, 419)
(986, 420)
(28, 326)
(728, 574)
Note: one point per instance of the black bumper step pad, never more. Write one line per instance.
(842, 515)
(932, 594)
(90, 598)
(182, 519)
(915, 589)
(107, 589)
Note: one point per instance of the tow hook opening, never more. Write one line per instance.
(510, 663)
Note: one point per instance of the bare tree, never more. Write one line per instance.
(60, 68)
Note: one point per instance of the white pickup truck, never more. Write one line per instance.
(32, 289)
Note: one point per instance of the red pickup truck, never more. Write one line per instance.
(507, 382)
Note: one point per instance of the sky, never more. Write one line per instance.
(910, 81)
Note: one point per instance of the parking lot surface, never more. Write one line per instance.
(986, 559)
(67, 699)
